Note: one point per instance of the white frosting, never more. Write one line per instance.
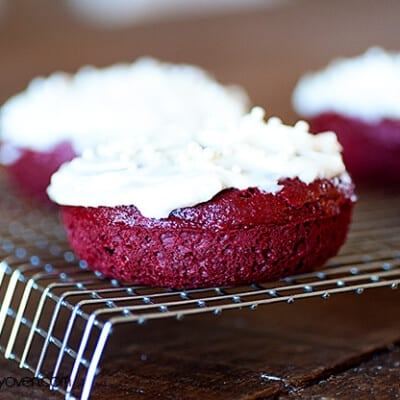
(367, 87)
(146, 100)
(158, 180)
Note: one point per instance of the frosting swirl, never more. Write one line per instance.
(146, 100)
(157, 180)
(365, 87)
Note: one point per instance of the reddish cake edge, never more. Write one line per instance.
(295, 231)
(370, 149)
(30, 174)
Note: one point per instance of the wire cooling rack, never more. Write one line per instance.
(56, 316)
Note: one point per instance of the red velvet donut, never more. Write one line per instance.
(237, 237)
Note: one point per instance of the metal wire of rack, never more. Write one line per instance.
(56, 316)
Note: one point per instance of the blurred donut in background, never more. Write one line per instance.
(359, 99)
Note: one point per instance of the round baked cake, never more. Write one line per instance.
(57, 117)
(254, 203)
(359, 99)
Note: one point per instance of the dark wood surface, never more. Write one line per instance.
(283, 351)
(342, 348)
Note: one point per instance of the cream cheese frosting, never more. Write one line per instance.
(147, 100)
(365, 87)
(157, 180)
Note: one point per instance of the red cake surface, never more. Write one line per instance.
(238, 237)
(31, 173)
(370, 150)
